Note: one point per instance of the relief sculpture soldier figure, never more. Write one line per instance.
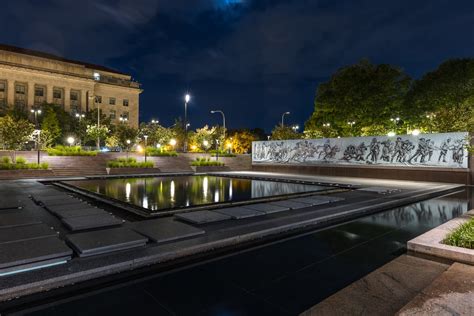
(444, 150)
(397, 150)
(386, 150)
(374, 151)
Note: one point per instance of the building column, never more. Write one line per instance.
(49, 94)
(11, 93)
(67, 99)
(31, 95)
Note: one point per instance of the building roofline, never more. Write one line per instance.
(30, 52)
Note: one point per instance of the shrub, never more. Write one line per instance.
(160, 152)
(6, 160)
(20, 160)
(463, 236)
(129, 163)
(206, 162)
(69, 151)
(22, 165)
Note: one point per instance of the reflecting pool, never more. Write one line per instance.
(161, 193)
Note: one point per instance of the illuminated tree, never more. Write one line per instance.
(14, 133)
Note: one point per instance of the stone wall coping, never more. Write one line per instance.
(430, 243)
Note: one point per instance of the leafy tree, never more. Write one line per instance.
(123, 132)
(241, 140)
(284, 132)
(157, 134)
(14, 133)
(364, 93)
(198, 138)
(50, 129)
(443, 100)
(95, 132)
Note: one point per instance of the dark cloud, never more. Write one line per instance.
(257, 57)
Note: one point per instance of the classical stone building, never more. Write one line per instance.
(30, 78)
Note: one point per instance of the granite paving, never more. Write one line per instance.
(239, 212)
(165, 229)
(91, 221)
(105, 241)
(18, 233)
(310, 201)
(202, 217)
(266, 208)
(67, 213)
(27, 254)
(290, 204)
(18, 218)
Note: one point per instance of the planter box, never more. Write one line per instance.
(25, 173)
(431, 242)
(210, 168)
(118, 171)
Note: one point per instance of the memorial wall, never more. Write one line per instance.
(444, 150)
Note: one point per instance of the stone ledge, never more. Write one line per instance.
(25, 173)
(430, 243)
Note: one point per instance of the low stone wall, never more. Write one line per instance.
(462, 176)
(24, 174)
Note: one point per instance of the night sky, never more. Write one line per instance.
(254, 59)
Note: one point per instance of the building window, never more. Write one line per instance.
(98, 99)
(58, 96)
(75, 97)
(125, 102)
(20, 96)
(112, 101)
(125, 115)
(112, 114)
(3, 96)
(40, 93)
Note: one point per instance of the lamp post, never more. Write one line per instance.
(37, 112)
(223, 119)
(283, 118)
(295, 128)
(128, 146)
(351, 124)
(70, 140)
(146, 137)
(187, 97)
(155, 121)
(123, 119)
(80, 116)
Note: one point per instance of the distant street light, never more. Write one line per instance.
(37, 112)
(223, 119)
(123, 119)
(128, 146)
(295, 128)
(80, 116)
(187, 97)
(172, 142)
(155, 121)
(283, 118)
(326, 124)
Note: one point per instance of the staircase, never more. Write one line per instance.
(77, 166)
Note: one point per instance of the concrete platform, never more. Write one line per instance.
(239, 212)
(266, 208)
(105, 241)
(202, 217)
(165, 229)
(19, 233)
(18, 218)
(90, 222)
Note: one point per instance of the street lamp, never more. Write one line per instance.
(155, 121)
(295, 128)
(283, 118)
(187, 97)
(37, 112)
(123, 119)
(223, 118)
(70, 140)
(80, 116)
(326, 124)
(146, 137)
(128, 146)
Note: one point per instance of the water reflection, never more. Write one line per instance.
(170, 192)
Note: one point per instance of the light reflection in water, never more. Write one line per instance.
(160, 193)
(128, 191)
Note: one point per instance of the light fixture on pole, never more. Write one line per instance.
(123, 119)
(283, 118)
(155, 121)
(37, 112)
(80, 116)
(146, 137)
(295, 128)
(326, 124)
(223, 119)
(128, 146)
(187, 98)
(70, 140)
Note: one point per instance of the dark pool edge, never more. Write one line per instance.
(213, 248)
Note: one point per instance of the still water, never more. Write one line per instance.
(283, 278)
(161, 193)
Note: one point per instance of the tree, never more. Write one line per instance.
(122, 133)
(203, 136)
(443, 100)
(157, 134)
(14, 133)
(364, 93)
(241, 140)
(95, 132)
(284, 132)
(50, 129)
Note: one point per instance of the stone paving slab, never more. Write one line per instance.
(67, 213)
(331, 199)
(380, 190)
(18, 233)
(58, 208)
(6, 204)
(452, 293)
(91, 221)
(63, 201)
(266, 208)
(239, 212)
(310, 201)
(164, 229)
(18, 218)
(105, 241)
(290, 204)
(202, 217)
(31, 253)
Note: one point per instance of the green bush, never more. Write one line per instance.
(20, 160)
(129, 163)
(206, 162)
(6, 160)
(463, 236)
(69, 151)
(160, 152)
(22, 165)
